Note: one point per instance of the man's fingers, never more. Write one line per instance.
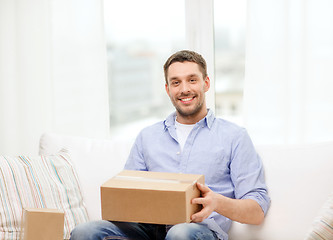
(198, 201)
(206, 201)
(200, 216)
(202, 187)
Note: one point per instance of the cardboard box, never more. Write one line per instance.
(42, 224)
(150, 197)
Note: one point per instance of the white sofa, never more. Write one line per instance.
(299, 178)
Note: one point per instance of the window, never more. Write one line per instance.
(230, 32)
(140, 36)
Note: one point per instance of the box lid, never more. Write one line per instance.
(152, 180)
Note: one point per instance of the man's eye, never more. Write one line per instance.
(175, 83)
(193, 80)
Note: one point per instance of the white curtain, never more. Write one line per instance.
(289, 71)
(52, 71)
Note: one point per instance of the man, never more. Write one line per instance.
(192, 140)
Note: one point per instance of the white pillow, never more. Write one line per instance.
(38, 182)
(95, 161)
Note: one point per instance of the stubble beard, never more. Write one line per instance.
(184, 112)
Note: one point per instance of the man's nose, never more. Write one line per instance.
(185, 88)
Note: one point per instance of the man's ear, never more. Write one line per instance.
(167, 88)
(207, 84)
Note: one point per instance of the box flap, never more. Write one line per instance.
(152, 180)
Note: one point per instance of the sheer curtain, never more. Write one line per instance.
(289, 71)
(52, 71)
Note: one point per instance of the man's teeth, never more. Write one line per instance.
(186, 99)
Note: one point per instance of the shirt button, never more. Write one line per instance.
(178, 153)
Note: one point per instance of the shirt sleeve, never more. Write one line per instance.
(247, 172)
(135, 160)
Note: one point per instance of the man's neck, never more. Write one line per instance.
(191, 119)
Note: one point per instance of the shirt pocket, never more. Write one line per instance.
(219, 169)
(214, 164)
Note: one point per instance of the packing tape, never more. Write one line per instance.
(158, 180)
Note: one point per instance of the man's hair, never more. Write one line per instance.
(186, 56)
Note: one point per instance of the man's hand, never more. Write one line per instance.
(208, 202)
(241, 210)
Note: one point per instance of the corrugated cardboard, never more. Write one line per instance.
(42, 224)
(150, 197)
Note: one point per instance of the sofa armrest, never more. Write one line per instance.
(299, 180)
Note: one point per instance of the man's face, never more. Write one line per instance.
(186, 88)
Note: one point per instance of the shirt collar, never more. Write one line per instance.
(206, 121)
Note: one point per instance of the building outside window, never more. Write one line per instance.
(229, 43)
(140, 35)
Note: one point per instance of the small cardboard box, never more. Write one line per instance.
(150, 197)
(42, 224)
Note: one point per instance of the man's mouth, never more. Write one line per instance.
(186, 100)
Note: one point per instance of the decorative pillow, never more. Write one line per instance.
(38, 182)
(322, 227)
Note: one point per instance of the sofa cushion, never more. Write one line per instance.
(38, 182)
(322, 227)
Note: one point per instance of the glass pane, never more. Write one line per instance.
(230, 29)
(140, 37)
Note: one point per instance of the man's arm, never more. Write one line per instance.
(135, 160)
(240, 210)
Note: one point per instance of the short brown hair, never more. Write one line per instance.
(185, 56)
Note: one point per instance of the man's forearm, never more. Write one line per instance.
(241, 210)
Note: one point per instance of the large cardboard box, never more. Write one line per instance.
(150, 197)
(42, 224)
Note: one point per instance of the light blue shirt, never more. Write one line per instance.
(216, 148)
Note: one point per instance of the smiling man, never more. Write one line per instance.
(186, 86)
(192, 140)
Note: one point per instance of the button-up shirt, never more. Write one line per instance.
(220, 150)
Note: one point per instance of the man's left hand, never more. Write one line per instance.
(208, 202)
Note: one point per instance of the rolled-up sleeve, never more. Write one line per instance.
(247, 171)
